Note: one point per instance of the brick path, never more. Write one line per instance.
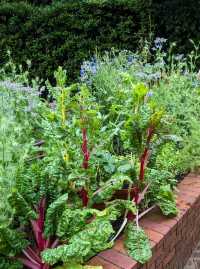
(194, 260)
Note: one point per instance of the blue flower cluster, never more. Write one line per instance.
(159, 41)
(88, 68)
(27, 94)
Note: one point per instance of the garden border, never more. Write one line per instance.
(172, 240)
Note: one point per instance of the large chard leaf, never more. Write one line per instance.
(22, 208)
(117, 207)
(73, 221)
(111, 186)
(53, 213)
(166, 201)
(85, 244)
(137, 244)
(5, 263)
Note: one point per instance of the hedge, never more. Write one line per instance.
(67, 32)
(177, 20)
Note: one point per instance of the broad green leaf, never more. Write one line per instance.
(137, 244)
(140, 90)
(111, 186)
(166, 201)
(53, 213)
(83, 245)
(73, 221)
(22, 207)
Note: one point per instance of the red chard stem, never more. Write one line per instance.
(86, 157)
(142, 164)
(84, 196)
(145, 155)
(85, 150)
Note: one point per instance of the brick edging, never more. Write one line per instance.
(172, 239)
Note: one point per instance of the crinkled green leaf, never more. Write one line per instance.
(21, 206)
(54, 211)
(85, 244)
(166, 201)
(137, 243)
(117, 207)
(111, 186)
(127, 167)
(73, 221)
(11, 241)
(6, 263)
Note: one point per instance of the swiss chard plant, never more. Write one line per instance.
(62, 176)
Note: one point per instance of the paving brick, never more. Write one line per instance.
(118, 259)
(105, 264)
(154, 236)
(155, 226)
(119, 245)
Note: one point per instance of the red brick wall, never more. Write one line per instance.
(172, 240)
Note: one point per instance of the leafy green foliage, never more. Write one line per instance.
(137, 244)
(111, 186)
(83, 245)
(117, 207)
(6, 263)
(73, 221)
(122, 23)
(22, 208)
(166, 201)
(135, 134)
(53, 213)
(12, 242)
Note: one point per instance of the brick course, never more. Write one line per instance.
(172, 240)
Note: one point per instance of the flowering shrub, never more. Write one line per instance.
(65, 159)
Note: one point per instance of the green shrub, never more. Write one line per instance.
(65, 33)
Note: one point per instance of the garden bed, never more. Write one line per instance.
(172, 240)
(115, 146)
